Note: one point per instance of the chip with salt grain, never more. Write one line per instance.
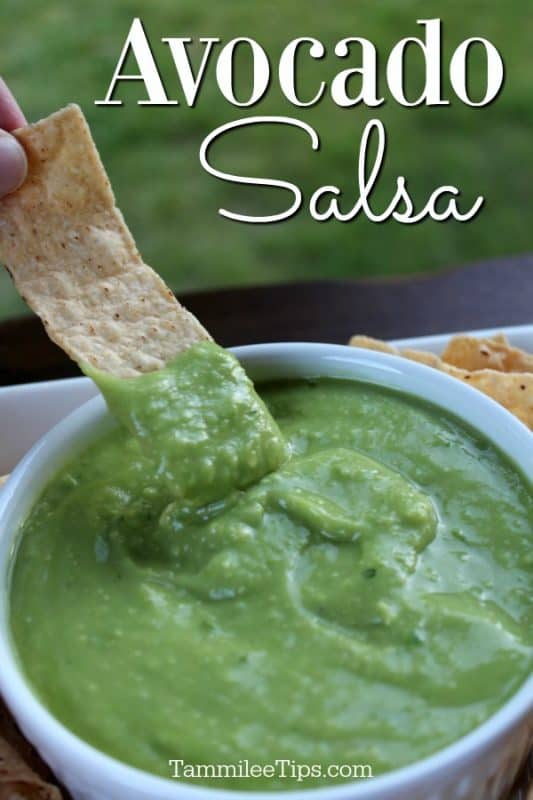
(75, 263)
(513, 390)
(468, 352)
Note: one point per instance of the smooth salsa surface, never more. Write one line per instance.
(360, 597)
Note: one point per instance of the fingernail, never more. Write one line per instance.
(13, 164)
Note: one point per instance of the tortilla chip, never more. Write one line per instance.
(372, 344)
(422, 356)
(513, 390)
(499, 337)
(3, 479)
(10, 732)
(74, 261)
(470, 353)
(430, 359)
(18, 781)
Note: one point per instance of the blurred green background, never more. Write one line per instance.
(54, 52)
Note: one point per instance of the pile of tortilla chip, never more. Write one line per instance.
(491, 365)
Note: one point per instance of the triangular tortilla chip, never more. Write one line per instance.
(74, 261)
(470, 353)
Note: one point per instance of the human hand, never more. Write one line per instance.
(13, 162)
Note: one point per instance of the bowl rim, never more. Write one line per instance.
(87, 759)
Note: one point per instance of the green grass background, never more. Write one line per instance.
(54, 52)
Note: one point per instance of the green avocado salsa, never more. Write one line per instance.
(349, 584)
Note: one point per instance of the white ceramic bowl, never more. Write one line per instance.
(480, 766)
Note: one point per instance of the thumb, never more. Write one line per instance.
(13, 164)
